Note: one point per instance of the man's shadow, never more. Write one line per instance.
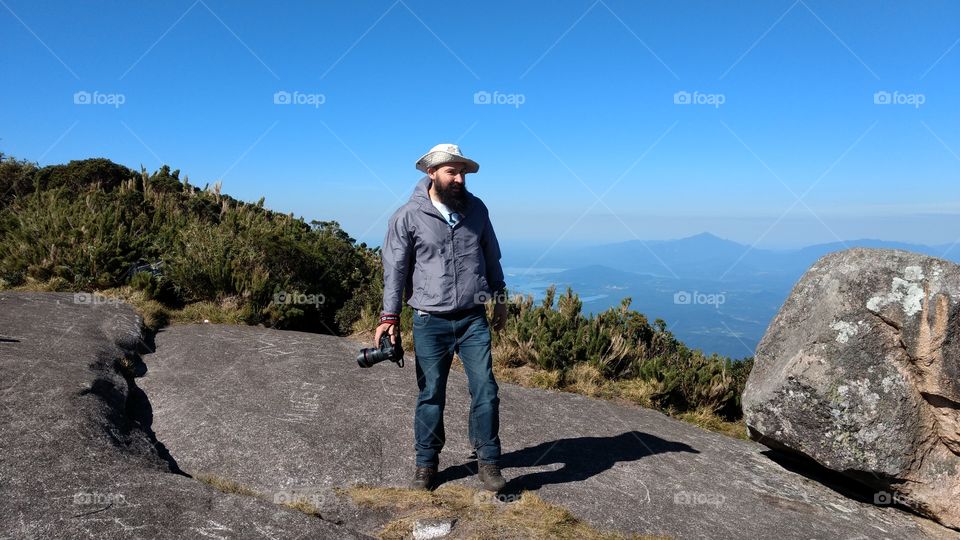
(581, 458)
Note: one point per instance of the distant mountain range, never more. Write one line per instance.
(707, 255)
(715, 294)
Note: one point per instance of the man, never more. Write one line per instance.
(442, 257)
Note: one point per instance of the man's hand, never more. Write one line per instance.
(385, 327)
(499, 316)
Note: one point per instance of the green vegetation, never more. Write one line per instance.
(184, 254)
(618, 353)
(87, 224)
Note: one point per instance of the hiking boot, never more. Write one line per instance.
(491, 478)
(423, 478)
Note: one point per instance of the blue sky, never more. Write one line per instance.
(783, 145)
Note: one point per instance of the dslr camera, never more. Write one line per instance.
(387, 351)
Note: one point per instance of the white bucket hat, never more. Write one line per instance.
(445, 153)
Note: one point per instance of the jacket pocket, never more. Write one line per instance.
(432, 290)
(418, 286)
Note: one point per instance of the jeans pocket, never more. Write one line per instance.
(420, 318)
(482, 319)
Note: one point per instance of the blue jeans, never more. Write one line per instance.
(435, 338)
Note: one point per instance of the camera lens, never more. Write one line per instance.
(369, 357)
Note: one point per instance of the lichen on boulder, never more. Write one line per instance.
(859, 371)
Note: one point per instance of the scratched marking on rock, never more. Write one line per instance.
(304, 404)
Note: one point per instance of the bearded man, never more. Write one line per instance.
(441, 256)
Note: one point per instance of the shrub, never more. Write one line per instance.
(90, 223)
(16, 179)
(617, 352)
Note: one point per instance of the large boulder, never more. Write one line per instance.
(859, 371)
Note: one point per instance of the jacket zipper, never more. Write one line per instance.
(453, 258)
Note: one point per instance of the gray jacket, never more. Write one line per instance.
(435, 267)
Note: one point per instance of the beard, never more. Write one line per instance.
(452, 195)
